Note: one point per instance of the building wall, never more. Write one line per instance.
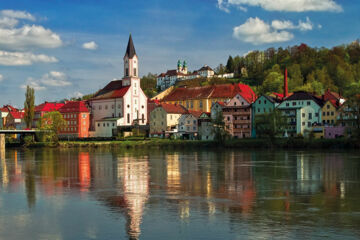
(105, 128)
(334, 132)
(206, 130)
(106, 108)
(199, 104)
(77, 125)
(188, 123)
(329, 114)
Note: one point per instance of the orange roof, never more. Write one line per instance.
(196, 114)
(74, 106)
(114, 89)
(173, 108)
(214, 91)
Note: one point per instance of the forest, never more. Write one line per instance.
(309, 69)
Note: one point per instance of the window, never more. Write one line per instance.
(323, 113)
(103, 124)
(328, 106)
(264, 110)
(142, 106)
(303, 123)
(107, 124)
(308, 103)
(264, 101)
(228, 118)
(128, 117)
(316, 114)
(258, 110)
(303, 115)
(287, 104)
(135, 73)
(112, 106)
(310, 115)
(309, 124)
(98, 124)
(142, 118)
(192, 104)
(294, 103)
(332, 113)
(242, 103)
(126, 72)
(119, 106)
(194, 121)
(259, 101)
(234, 103)
(128, 106)
(99, 107)
(201, 104)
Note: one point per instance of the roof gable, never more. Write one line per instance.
(74, 106)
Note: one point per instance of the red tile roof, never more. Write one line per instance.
(173, 108)
(74, 107)
(215, 91)
(114, 89)
(196, 114)
(17, 115)
(48, 107)
(8, 108)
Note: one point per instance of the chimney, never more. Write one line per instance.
(285, 84)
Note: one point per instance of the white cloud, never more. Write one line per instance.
(302, 26)
(51, 79)
(1, 77)
(23, 58)
(90, 45)
(283, 5)
(76, 95)
(6, 22)
(34, 84)
(256, 31)
(29, 36)
(17, 14)
(55, 79)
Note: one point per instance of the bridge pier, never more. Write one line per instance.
(2, 146)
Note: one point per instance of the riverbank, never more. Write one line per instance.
(290, 143)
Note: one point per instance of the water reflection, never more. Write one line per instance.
(264, 190)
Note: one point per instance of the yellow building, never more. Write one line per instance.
(329, 113)
(165, 118)
(202, 98)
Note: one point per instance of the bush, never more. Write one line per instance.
(28, 140)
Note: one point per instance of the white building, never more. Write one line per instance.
(121, 103)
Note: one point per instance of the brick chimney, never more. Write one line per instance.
(286, 93)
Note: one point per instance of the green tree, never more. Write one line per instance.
(29, 106)
(271, 124)
(51, 123)
(296, 77)
(230, 65)
(148, 85)
(219, 127)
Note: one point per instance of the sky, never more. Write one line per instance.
(68, 48)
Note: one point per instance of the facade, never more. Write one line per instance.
(120, 100)
(202, 98)
(164, 119)
(77, 116)
(206, 129)
(237, 117)
(188, 127)
(303, 110)
(44, 108)
(206, 72)
(15, 120)
(329, 113)
(4, 113)
(331, 132)
(263, 104)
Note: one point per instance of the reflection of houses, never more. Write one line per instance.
(309, 174)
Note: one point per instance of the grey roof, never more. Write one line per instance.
(301, 95)
(130, 50)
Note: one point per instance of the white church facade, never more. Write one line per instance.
(121, 103)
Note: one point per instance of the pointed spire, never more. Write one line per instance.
(130, 50)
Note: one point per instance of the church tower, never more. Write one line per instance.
(131, 64)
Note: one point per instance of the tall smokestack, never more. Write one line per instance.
(286, 93)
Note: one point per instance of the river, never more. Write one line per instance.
(159, 194)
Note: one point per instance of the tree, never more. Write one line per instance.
(219, 127)
(230, 65)
(297, 79)
(52, 123)
(148, 85)
(29, 106)
(270, 124)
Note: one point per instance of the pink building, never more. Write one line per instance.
(334, 132)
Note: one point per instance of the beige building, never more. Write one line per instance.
(165, 118)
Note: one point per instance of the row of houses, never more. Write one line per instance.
(305, 113)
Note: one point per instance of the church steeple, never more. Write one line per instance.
(130, 50)
(131, 64)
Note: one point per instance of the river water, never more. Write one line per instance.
(156, 194)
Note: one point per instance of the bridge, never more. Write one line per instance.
(4, 132)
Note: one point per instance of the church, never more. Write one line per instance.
(121, 103)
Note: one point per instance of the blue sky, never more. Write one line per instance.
(42, 41)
